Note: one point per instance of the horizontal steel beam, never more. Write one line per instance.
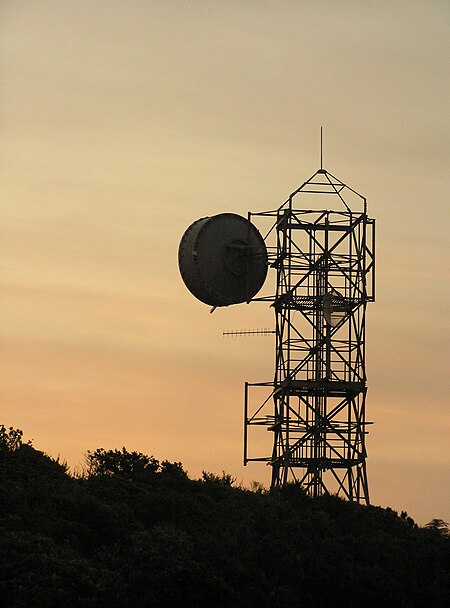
(332, 388)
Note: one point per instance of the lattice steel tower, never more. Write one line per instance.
(325, 265)
(325, 275)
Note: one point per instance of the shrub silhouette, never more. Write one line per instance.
(438, 525)
(119, 462)
(10, 440)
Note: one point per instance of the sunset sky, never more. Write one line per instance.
(122, 122)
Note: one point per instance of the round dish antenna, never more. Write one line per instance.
(223, 259)
(334, 307)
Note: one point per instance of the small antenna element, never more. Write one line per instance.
(321, 148)
(249, 332)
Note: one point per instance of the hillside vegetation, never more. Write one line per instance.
(134, 532)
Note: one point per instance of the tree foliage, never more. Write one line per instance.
(439, 525)
(223, 480)
(10, 440)
(103, 462)
(136, 532)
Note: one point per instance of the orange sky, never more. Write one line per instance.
(124, 121)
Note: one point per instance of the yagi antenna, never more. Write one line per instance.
(249, 332)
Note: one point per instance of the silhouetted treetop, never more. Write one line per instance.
(439, 525)
(103, 462)
(10, 440)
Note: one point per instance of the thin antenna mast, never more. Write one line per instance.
(321, 148)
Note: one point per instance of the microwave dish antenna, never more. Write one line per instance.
(223, 259)
(334, 307)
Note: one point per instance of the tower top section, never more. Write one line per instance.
(322, 182)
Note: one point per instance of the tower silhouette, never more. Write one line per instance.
(324, 261)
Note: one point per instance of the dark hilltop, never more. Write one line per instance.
(130, 531)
